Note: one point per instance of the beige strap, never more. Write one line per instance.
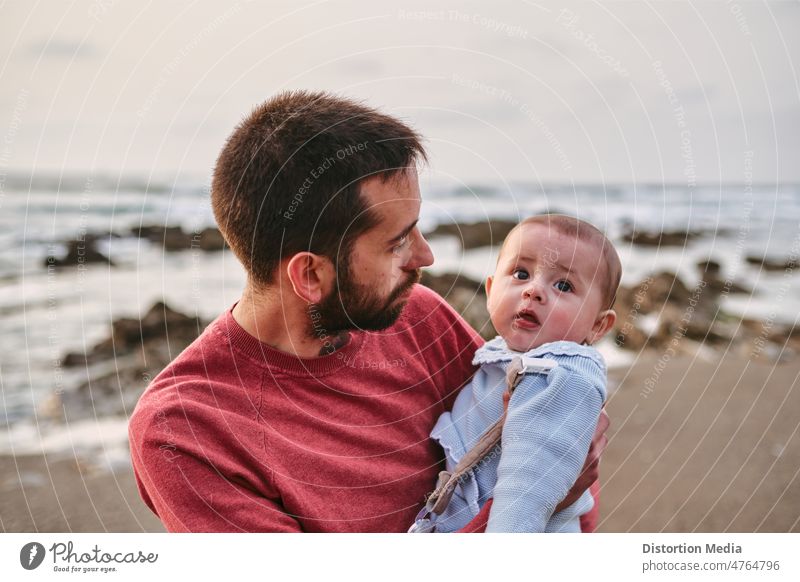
(440, 498)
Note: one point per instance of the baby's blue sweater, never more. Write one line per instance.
(551, 420)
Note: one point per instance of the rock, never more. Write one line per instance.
(724, 287)
(710, 269)
(782, 333)
(466, 296)
(161, 322)
(681, 313)
(173, 238)
(170, 238)
(119, 368)
(772, 264)
(653, 292)
(677, 238)
(110, 394)
(631, 338)
(211, 239)
(79, 252)
(710, 272)
(481, 234)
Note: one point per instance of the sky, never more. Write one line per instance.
(584, 92)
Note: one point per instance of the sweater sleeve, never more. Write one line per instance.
(194, 483)
(545, 441)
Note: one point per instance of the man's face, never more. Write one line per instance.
(546, 288)
(375, 283)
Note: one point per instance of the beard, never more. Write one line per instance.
(353, 306)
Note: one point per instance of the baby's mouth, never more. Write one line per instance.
(527, 319)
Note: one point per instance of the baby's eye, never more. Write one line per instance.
(520, 274)
(564, 286)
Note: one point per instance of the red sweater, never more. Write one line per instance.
(236, 436)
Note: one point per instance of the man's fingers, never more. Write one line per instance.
(602, 424)
(591, 468)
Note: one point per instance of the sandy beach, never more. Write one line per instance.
(712, 446)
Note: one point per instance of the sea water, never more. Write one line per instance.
(45, 314)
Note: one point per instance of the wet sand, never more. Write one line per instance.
(57, 494)
(711, 446)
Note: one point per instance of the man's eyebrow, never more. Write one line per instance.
(405, 232)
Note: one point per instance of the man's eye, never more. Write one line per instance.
(520, 274)
(564, 286)
(401, 244)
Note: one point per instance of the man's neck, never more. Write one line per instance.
(283, 325)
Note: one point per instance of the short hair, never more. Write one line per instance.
(582, 230)
(288, 178)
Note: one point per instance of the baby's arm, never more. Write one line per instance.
(546, 437)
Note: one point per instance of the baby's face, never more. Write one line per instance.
(546, 288)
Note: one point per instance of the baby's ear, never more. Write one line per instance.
(602, 325)
(488, 287)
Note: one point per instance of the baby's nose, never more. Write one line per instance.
(535, 290)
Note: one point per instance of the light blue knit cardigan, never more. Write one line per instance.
(551, 419)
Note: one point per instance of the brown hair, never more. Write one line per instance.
(582, 230)
(288, 179)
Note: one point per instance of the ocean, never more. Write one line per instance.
(45, 314)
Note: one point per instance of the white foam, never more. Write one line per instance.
(101, 441)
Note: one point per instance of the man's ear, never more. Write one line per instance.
(311, 276)
(602, 325)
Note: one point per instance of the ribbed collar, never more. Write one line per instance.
(497, 350)
(282, 362)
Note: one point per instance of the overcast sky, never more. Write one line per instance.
(612, 92)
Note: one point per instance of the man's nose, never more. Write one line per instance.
(421, 254)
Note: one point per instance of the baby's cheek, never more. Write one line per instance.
(565, 323)
(502, 321)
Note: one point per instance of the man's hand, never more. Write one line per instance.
(591, 468)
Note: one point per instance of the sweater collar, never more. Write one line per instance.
(280, 362)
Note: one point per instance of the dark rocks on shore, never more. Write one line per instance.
(673, 238)
(79, 252)
(161, 322)
(480, 234)
(773, 264)
(84, 251)
(174, 238)
(710, 272)
(673, 311)
(466, 296)
(661, 312)
(211, 239)
(709, 268)
(120, 367)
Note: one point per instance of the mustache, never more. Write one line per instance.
(412, 280)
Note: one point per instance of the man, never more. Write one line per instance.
(308, 405)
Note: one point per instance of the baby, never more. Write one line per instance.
(550, 298)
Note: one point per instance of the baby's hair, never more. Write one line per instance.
(582, 230)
